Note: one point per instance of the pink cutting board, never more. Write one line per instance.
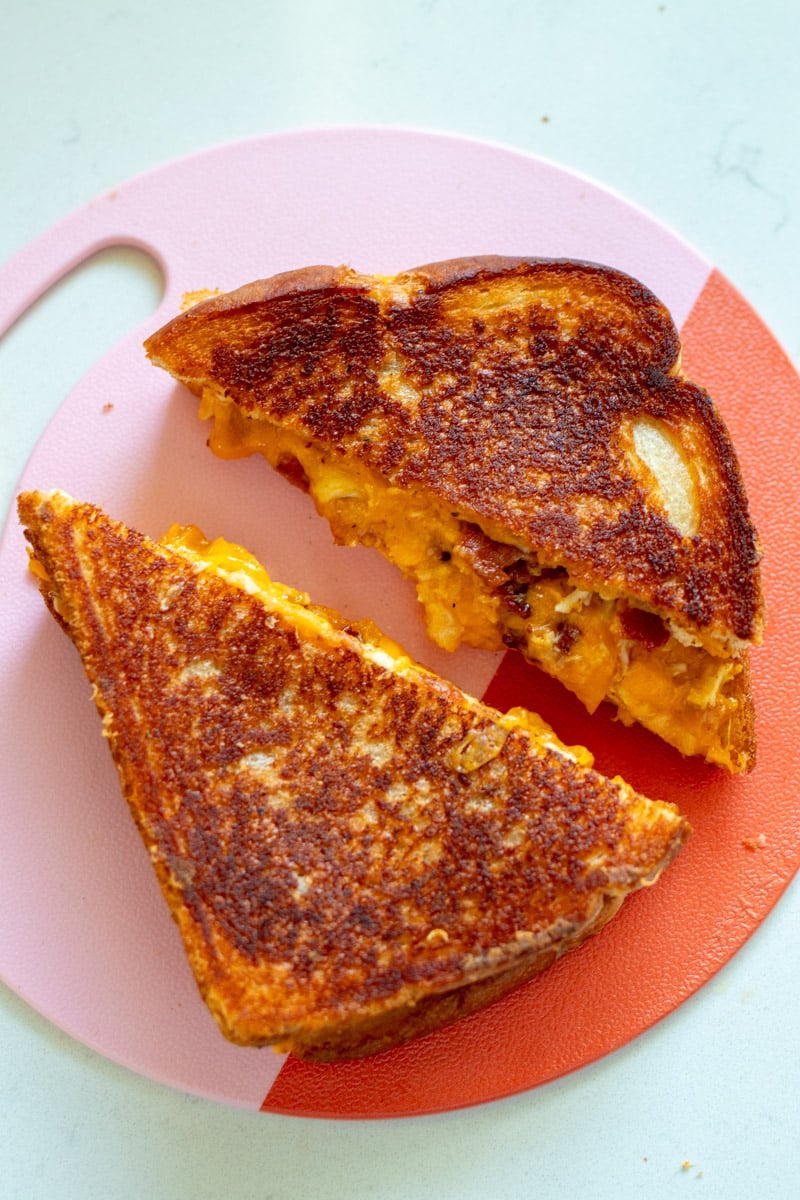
(85, 937)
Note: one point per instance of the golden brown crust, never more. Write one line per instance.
(340, 883)
(360, 1038)
(522, 380)
(261, 291)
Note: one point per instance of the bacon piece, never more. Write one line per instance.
(644, 627)
(491, 560)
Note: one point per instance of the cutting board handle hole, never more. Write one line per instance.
(123, 283)
(80, 317)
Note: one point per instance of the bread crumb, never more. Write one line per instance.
(755, 843)
(108, 406)
(686, 1165)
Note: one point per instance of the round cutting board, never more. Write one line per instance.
(86, 938)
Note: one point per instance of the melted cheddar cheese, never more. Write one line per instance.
(417, 534)
(678, 690)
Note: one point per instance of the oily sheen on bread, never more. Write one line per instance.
(517, 436)
(355, 852)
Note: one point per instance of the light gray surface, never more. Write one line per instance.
(689, 109)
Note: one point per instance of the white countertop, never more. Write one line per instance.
(689, 109)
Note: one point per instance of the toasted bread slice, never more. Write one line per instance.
(355, 851)
(517, 436)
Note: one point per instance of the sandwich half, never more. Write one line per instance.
(517, 436)
(354, 850)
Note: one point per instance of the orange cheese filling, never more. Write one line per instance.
(680, 691)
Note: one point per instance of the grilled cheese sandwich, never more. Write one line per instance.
(517, 437)
(355, 852)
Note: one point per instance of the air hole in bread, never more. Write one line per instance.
(669, 470)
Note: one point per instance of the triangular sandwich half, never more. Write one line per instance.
(517, 436)
(355, 851)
